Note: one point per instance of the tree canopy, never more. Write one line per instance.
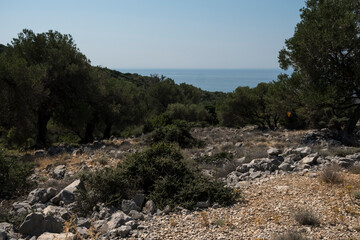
(325, 52)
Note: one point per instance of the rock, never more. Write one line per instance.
(204, 204)
(58, 211)
(67, 195)
(273, 151)
(310, 159)
(106, 212)
(303, 151)
(285, 167)
(76, 152)
(83, 231)
(83, 222)
(7, 231)
(118, 219)
(40, 153)
(21, 208)
(122, 231)
(3, 235)
(243, 168)
(254, 175)
(150, 207)
(292, 158)
(136, 215)
(59, 172)
(128, 205)
(41, 195)
(60, 236)
(166, 210)
(37, 223)
(312, 175)
(139, 199)
(132, 224)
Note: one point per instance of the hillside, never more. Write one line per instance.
(279, 174)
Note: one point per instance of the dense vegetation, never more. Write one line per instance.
(47, 84)
(161, 174)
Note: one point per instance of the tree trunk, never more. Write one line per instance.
(347, 136)
(89, 130)
(43, 119)
(107, 131)
(351, 124)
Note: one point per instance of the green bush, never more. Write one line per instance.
(175, 133)
(216, 159)
(161, 174)
(13, 174)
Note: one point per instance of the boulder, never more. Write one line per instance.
(128, 205)
(273, 151)
(118, 219)
(139, 199)
(309, 159)
(67, 195)
(57, 211)
(136, 215)
(303, 151)
(36, 223)
(255, 175)
(122, 231)
(41, 195)
(150, 207)
(204, 204)
(285, 167)
(59, 172)
(57, 236)
(21, 208)
(3, 235)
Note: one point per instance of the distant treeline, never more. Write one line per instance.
(49, 92)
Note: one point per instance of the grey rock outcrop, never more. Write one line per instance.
(128, 205)
(118, 219)
(57, 236)
(150, 207)
(41, 195)
(59, 172)
(68, 194)
(36, 223)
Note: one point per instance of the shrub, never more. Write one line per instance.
(306, 217)
(13, 175)
(332, 174)
(175, 133)
(216, 159)
(161, 174)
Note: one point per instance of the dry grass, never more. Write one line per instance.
(332, 174)
(306, 217)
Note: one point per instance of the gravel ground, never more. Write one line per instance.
(268, 210)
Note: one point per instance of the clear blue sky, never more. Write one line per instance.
(162, 33)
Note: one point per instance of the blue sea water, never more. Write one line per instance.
(224, 80)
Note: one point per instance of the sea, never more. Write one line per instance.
(223, 80)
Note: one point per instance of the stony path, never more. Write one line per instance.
(268, 210)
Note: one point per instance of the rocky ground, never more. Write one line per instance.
(280, 176)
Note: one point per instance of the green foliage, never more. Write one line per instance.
(325, 57)
(175, 133)
(13, 176)
(248, 106)
(216, 159)
(161, 174)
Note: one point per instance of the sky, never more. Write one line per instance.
(207, 34)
